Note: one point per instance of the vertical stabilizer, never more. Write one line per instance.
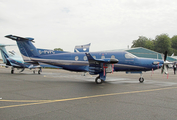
(27, 49)
(82, 48)
(2, 48)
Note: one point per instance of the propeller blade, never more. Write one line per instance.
(165, 56)
(164, 67)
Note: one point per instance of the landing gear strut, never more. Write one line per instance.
(98, 80)
(141, 79)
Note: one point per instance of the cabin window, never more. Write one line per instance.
(129, 55)
(76, 58)
(85, 57)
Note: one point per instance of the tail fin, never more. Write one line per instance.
(27, 49)
(82, 48)
(3, 50)
(5, 56)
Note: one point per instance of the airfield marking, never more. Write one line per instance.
(37, 102)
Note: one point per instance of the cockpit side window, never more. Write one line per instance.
(129, 55)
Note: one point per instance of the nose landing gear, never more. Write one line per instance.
(141, 79)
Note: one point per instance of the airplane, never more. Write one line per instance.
(96, 63)
(16, 61)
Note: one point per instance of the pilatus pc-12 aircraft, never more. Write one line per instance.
(96, 63)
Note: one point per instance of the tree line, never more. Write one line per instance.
(160, 44)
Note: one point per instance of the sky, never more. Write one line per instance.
(106, 24)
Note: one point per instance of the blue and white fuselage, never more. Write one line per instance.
(79, 62)
(93, 62)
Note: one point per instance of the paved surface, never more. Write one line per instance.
(58, 94)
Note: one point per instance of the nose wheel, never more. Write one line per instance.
(141, 79)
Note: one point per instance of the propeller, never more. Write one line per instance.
(164, 67)
(165, 56)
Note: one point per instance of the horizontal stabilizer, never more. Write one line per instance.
(3, 45)
(17, 38)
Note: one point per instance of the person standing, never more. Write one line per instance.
(174, 68)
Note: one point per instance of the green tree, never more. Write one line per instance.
(163, 43)
(174, 44)
(149, 44)
(141, 42)
(58, 49)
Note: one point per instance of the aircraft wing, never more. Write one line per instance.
(100, 66)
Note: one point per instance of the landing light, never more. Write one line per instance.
(156, 63)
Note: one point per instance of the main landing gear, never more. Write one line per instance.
(98, 80)
(12, 70)
(39, 71)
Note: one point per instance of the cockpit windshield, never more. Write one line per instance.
(129, 55)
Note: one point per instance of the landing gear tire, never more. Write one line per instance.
(141, 80)
(98, 80)
(12, 71)
(33, 71)
(39, 71)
